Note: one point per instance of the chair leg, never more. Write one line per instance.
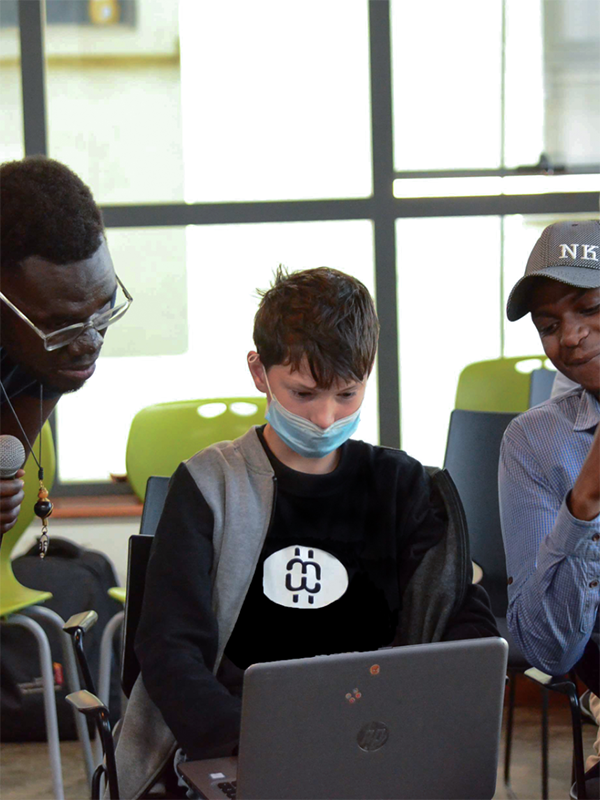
(106, 648)
(49, 698)
(93, 708)
(544, 744)
(509, 725)
(72, 677)
(578, 766)
(97, 782)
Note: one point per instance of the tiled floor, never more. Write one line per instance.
(25, 773)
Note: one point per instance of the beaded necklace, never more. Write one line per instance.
(44, 507)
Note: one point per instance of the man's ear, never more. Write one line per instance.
(257, 371)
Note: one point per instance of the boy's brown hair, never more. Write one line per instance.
(321, 314)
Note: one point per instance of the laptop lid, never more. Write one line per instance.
(420, 721)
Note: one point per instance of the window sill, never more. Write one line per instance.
(97, 506)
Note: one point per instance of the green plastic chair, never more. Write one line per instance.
(164, 435)
(502, 384)
(20, 605)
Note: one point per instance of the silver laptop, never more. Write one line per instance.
(421, 721)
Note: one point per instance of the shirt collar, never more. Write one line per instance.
(588, 415)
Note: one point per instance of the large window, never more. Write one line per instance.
(389, 139)
(503, 108)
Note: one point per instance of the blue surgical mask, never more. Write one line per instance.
(303, 436)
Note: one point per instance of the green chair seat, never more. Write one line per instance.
(22, 598)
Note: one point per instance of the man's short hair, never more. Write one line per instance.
(321, 314)
(47, 211)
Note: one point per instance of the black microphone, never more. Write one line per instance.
(12, 456)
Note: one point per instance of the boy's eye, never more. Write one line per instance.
(303, 395)
(347, 395)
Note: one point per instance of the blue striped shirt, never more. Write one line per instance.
(552, 559)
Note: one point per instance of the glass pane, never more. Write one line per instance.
(275, 100)
(11, 107)
(521, 232)
(449, 316)
(572, 81)
(446, 84)
(225, 266)
(552, 82)
(524, 83)
(154, 262)
(114, 110)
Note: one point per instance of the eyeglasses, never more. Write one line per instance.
(64, 336)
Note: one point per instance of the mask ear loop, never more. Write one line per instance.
(270, 396)
(253, 359)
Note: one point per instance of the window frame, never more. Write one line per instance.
(382, 208)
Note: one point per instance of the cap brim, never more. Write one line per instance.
(520, 298)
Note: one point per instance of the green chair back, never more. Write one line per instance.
(13, 595)
(500, 385)
(164, 435)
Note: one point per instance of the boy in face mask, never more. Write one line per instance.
(294, 540)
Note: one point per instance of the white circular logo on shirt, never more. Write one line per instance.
(304, 577)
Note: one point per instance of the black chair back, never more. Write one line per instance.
(472, 455)
(139, 553)
(540, 386)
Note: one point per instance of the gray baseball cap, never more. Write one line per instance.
(568, 252)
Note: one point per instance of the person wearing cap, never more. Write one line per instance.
(549, 474)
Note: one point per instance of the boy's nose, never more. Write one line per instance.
(324, 415)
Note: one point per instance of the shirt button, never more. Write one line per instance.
(595, 537)
(509, 581)
(593, 584)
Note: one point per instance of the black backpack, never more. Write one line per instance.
(79, 580)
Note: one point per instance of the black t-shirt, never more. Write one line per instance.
(316, 588)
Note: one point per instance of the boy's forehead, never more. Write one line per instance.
(300, 374)
(303, 375)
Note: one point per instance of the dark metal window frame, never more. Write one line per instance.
(382, 208)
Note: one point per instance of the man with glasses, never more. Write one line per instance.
(58, 294)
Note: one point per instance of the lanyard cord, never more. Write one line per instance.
(12, 408)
